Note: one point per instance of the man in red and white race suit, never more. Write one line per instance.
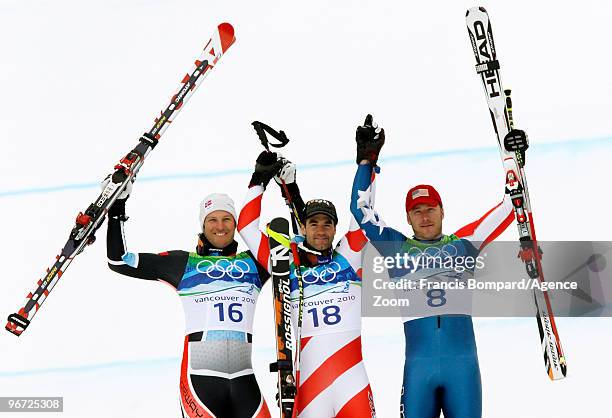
(332, 380)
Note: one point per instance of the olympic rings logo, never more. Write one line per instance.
(215, 270)
(444, 252)
(325, 274)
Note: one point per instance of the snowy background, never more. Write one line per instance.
(80, 81)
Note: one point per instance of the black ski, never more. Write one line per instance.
(278, 233)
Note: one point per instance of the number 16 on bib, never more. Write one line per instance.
(513, 157)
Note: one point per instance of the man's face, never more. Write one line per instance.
(319, 231)
(426, 221)
(219, 228)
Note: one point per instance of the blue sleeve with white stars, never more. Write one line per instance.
(362, 208)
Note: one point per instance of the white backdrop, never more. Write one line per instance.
(80, 81)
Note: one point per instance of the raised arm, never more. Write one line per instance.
(490, 225)
(167, 267)
(249, 225)
(370, 139)
(497, 219)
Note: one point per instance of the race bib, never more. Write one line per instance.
(219, 293)
(332, 298)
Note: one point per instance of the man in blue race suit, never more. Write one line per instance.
(441, 372)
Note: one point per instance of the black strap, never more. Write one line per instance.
(149, 140)
(198, 336)
(487, 66)
(261, 129)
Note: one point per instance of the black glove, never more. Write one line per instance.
(516, 140)
(267, 165)
(370, 139)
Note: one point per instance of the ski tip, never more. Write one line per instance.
(279, 222)
(16, 324)
(554, 377)
(559, 372)
(14, 329)
(475, 9)
(226, 34)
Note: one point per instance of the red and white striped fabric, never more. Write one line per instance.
(334, 382)
(490, 225)
(248, 226)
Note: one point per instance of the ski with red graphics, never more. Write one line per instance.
(512, 145)
(87, 222)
